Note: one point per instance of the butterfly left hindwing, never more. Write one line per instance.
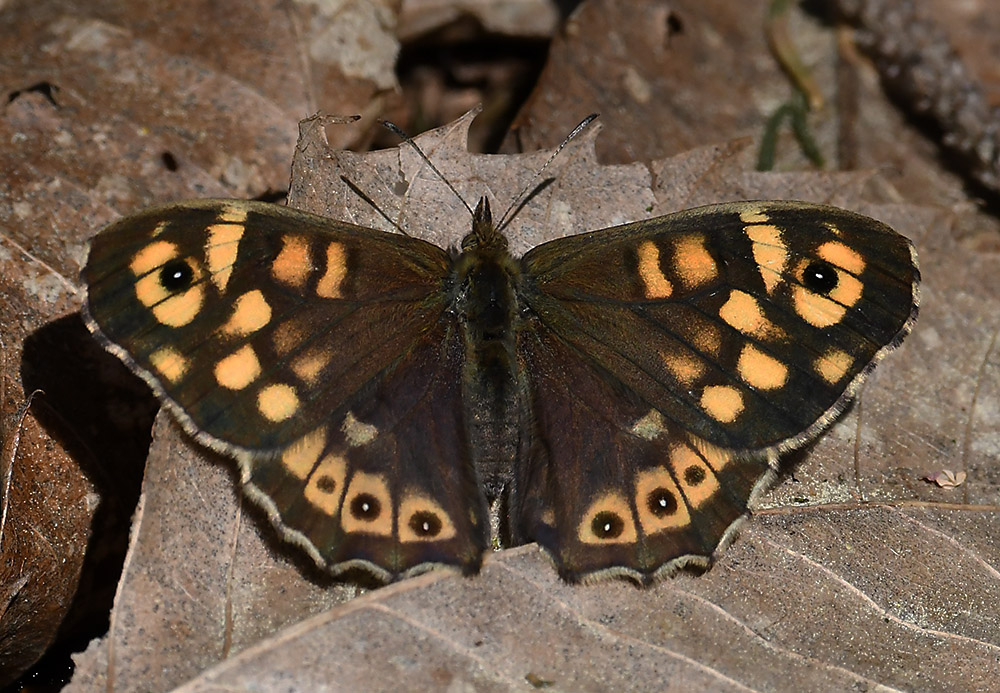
(625, 391)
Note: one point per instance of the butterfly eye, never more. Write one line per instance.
(820, 277)
(365, 507)
(607, 525)
(661, 502)
(425, 524)
(176, 275)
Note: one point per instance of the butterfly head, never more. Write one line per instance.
(485, 234)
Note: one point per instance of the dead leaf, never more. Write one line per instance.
(946, 478)
(789, 592)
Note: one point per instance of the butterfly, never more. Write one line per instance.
(621, 395)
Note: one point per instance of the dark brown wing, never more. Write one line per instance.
(717, 337)
(317, 354)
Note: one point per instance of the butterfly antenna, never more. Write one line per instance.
(521, 198)
(409, 140)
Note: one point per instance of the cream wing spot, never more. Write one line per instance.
(329, 285)
(742, 312)
(220, 251)
(769, 252)
(697, 479)
(833, 365)
(277, 402)
(233, 214)
(608, 520)
(650, 426)
(239, 369)
(423, 519)
(684, 366)
(326, 484)
(367, 505)
(695, 265)
(761, 370)
(658, 501)
(292, 265)
(251, 312)
(722, 402)
(655, 283)
(309, 365)
(300, 457)
(753, 215)
(169, 363)
(357, 432)
(842, 256)
(168, 284)
(153, 256)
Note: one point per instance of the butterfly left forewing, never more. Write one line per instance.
(740, 329)
(275, 336)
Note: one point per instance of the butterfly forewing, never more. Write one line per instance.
(272, 334)
(744, 324)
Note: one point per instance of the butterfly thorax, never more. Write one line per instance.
(485, 279)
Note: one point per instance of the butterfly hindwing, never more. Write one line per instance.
(264, 331)
(718, 337)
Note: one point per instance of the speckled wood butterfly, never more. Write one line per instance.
(623, 393)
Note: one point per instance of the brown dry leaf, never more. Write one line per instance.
(795, 600)
(46, 508)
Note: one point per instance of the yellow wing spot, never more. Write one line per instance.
(289, 335)
(761, 370)
(233, 214)
(769, 252)
(422, 519)
(300, 457)
(715, 457)
(838, 254)
(160, 228)
(608, 520)
(655, 283)
(548, 517)
(649, 426)
(153, 256)
(250, 313)
(326, 484)
(309, 365)
(277, 402)
(659, 504)
(722, 402)
(742, 312)
(367, 506)
(169, 363)
(753, 215)
(685, 366)
(239, 369)
(220, 252)
(694, 263)
(815, 309)
(336, 270)
(696, 478)
(170, 309)
(357, 433)
(833, 365)
(292, 265)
